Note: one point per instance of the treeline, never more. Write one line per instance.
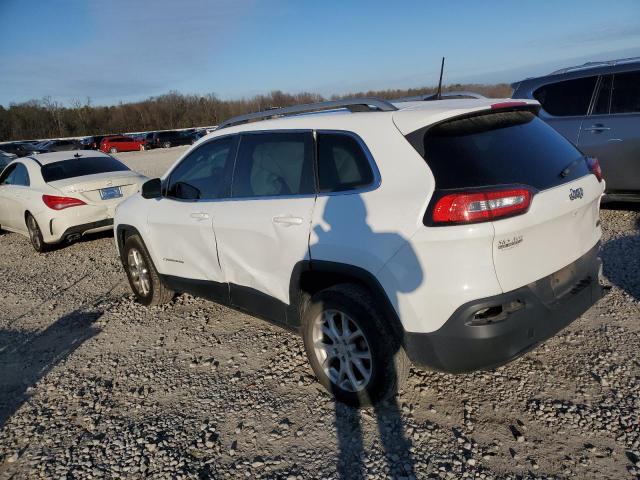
(47, 118)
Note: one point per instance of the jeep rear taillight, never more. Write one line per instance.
(473, 207)
(594, 167)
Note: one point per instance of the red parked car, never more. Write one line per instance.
(120, 144)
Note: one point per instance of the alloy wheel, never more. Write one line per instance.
(342, 350)
(139, 272)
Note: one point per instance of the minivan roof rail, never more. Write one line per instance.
(605, 63)
(364, 104)
(434, 96)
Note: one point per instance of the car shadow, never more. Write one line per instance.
(348, 420)
(621, 257)
(27, 357)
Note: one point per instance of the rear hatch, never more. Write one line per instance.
(96, 180)
(511, 149)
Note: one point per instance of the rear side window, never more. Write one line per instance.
(274, 164)
(568, 98)
(342, 164)
(626, 93)
(16, 175)
(79, 167)
(501, 148)
(603, 97)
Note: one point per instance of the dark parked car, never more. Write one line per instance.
(6, 159)
(57, 146)
(597, 107)
(167, 139)
(20, 149)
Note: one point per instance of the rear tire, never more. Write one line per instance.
(142, 274)
(35, 235)
(113, 150)
(166, 144)
(363, 365)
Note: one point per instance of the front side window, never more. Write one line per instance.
(203, 174)
(342, 164)
(274, 164)
(626, 93)
(568, 98)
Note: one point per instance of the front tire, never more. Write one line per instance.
(35, 235)
(142, 274)
(351, 347)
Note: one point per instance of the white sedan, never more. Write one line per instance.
(55, 197)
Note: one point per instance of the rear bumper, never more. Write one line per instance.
(465, 343)
(79, 230)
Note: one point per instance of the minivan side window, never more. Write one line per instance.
(603, 97)
(626, 93)
(567, 98)
(204, 173)
(342, 164)
(274, 164)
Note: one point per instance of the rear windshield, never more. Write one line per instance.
(498, 149)
(79, 167)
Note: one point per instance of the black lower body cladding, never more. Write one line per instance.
(464, 345)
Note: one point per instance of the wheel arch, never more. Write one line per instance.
(309, 277)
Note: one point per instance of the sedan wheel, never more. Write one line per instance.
(113, 150)
(35, 235)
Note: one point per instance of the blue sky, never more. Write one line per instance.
(125, 50)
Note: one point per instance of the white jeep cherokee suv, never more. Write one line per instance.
(457, 234)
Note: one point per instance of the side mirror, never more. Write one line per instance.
(152, 188)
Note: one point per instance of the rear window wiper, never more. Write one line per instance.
(566, 170)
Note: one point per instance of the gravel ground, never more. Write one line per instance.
(93, 385)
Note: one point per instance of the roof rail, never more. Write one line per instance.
(609, 63)
(434, 96)
(364, 104)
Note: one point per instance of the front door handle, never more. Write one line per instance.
(199, 215)
(597, 128)
(287, 221)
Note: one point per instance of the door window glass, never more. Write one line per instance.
(272, 164)
(342, 165)
(626, 93)
(7, 175)
(203, 174)
(16, 175)
(603, 98)
(568, 98)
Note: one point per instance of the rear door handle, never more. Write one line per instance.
(287, 220)
(597, 128)
(199, 215)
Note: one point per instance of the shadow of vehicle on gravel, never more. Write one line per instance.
(26, 357)
(348, 420)
(621, 259)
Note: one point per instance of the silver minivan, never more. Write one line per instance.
(597, 107)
